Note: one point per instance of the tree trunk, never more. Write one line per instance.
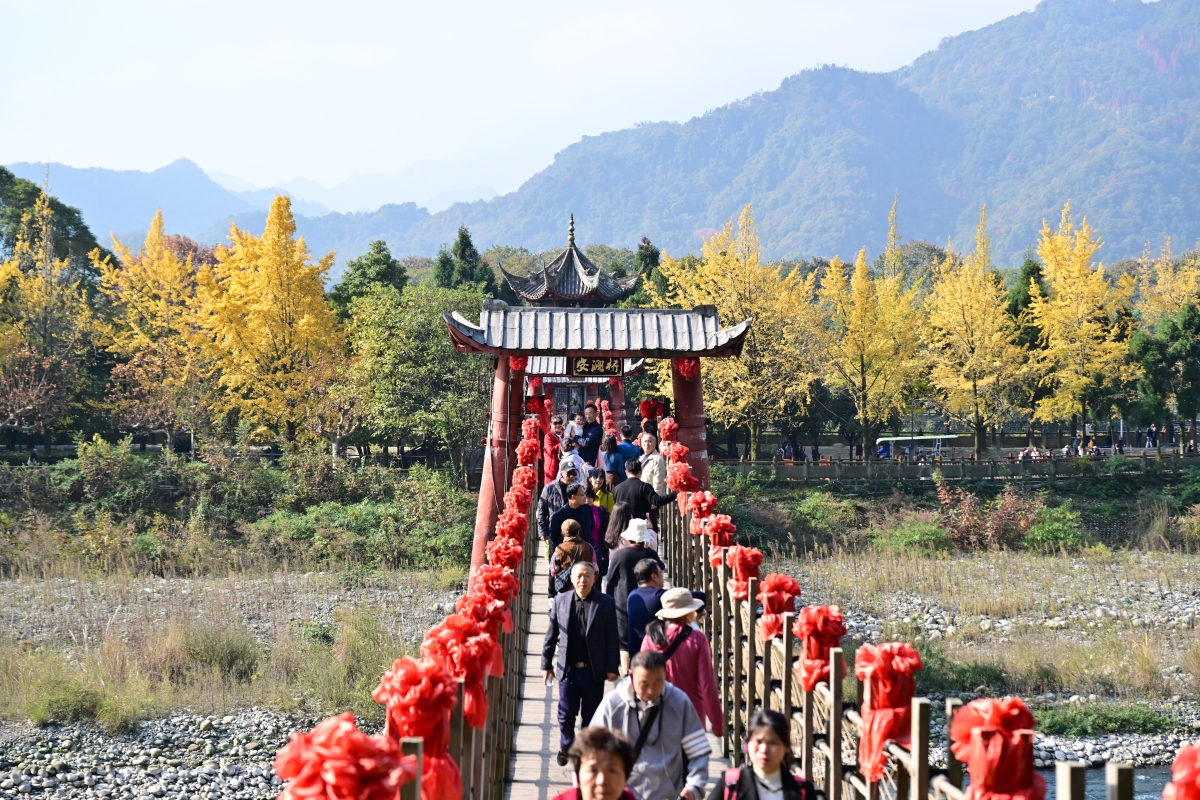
(336, 446)
(755, 431)
(731, 442)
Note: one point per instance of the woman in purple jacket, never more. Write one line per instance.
(689, 659)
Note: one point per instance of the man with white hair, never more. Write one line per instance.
(583, 647)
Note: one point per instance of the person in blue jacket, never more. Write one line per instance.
(593, 432)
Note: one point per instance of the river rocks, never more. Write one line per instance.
(156, 761)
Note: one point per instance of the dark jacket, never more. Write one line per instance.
(589, 442)
(621, 581)
(641, 605)
(551, 500)
(603, 644)
(747, 789)
(641, 497)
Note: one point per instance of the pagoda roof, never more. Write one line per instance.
(571, 279)
(609, 332)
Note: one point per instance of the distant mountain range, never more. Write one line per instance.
(1096, 102)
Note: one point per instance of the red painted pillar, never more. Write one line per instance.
(499, 455)
(616, 394)
(689, 413)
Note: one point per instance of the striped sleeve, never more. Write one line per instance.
(695, 744)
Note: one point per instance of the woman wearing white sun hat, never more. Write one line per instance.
(689, 658)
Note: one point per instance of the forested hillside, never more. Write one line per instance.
(1092, 101)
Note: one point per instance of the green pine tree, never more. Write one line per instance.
(376, 267)
(443, 269)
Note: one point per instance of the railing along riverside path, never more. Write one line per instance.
(1004, 469)
(826, 725)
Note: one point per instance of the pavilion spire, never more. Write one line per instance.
(571, 231)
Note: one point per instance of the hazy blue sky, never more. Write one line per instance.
(270, 91)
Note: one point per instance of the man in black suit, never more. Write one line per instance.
(583, 647)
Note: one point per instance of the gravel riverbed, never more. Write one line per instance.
(182, 757)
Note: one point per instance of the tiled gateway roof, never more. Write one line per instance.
(628, 332)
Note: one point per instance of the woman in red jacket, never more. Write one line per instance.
(689, 659)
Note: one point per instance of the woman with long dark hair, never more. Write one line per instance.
(618, 521)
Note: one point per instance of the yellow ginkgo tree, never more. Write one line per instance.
(774, 372)
(1083, 318)
(263, 309)
(972, 351)
(868, 341)
(1166, 286)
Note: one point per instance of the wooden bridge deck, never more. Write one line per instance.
(534, 774)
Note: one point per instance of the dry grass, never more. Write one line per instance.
(1109, 657)
(122, 647)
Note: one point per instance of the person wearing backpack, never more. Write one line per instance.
(686, 649)
(768, 775)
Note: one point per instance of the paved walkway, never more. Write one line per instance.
(535, 774)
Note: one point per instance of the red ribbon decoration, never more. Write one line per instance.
(418, 695)
(505, 551)
(651, 408)
(535, 384)
(525, 477)
(667, 429)
(702, 504)
(994, 738)
(614, 382)
(681, 479)
(518, 363)
(778, 594)
(688, 367)
(744, 561)
(337, 761)
(888, 686)
(821, 628)
(1185, 774)
(465, 651)
(676, 453)
(527, 452)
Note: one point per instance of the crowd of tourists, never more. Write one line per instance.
(615, 622)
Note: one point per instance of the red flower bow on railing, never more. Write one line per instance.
(667, 429)
(720, 532)
(466, 652)
(744, 561)
(651, 408)
(688, 367)
(778, 594)
(528, 451)
(887, 674)
(994, 738)
(489, 613)
(676, 453)
(518, 498)
(821, 628)
(518, 363)
(337, 761)
(702, 504)
(529, 428)
(535, 384)
(525, 477)
(419, 694)
(505, 551)
(512, 525)
(1185, 775)
(533, 404)
(680, 478)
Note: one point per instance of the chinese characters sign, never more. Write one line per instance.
(585, 366)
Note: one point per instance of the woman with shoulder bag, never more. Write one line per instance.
(686, 649)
